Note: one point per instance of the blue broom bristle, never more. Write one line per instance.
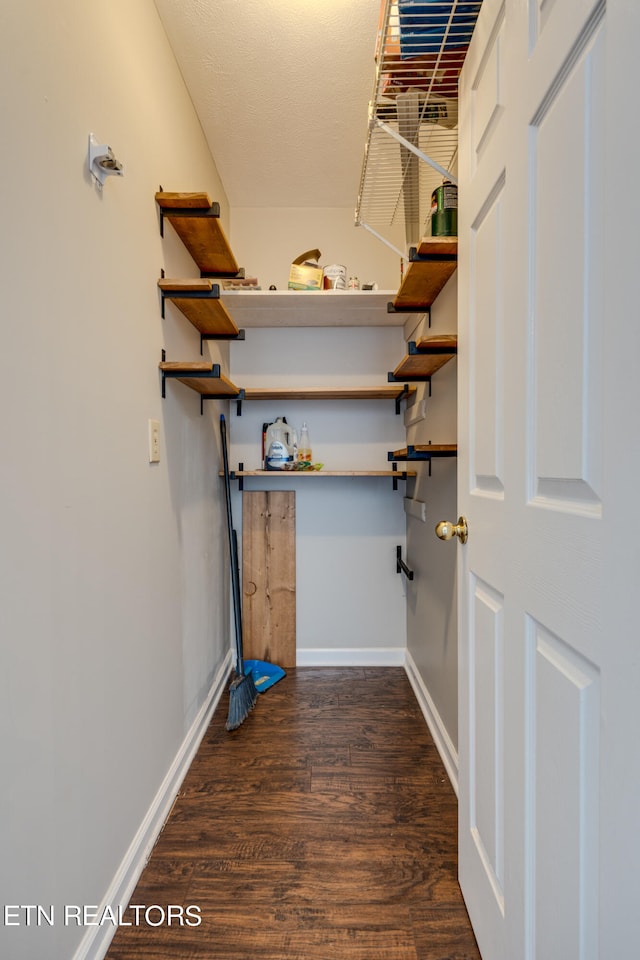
(242, 699)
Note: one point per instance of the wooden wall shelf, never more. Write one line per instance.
(394, 475)
(196, 221)
(278, 474)
(425, 356)
(431, 264)
(385, 392)
(424, 451)
(397, 393)
(204, 378)
(199, 301)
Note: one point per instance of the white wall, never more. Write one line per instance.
(267, 239)
(114, 589)
(432, 625)
(350, 600)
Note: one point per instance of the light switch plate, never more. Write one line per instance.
(154, 441)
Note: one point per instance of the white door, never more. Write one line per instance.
(549, 580)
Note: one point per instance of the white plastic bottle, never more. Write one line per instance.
(278, 450)
(304, 444)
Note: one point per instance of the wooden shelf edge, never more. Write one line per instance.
(387, 392)
(199, 301)
(204, 378)
(197, 222)
(424, 451)
(427, 274)
(440, 343)
(167, 200)
(276, 474)
(420, 366)
(432, 246)
(195, 285)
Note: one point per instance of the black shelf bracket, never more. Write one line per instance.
(415, 351)
(220, 336)
(217, 396)
(209, 275)
(406, 379)
(401, 566)
(418, 309)
(402, 396)
(409, 378)
(212, 212)
(403, 475)
(213, 294)
(234, 476)
(213, 374)
(415, 257)
(413, 455)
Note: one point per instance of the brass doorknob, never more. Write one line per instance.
(447, 530)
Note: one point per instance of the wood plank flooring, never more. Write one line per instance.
(323, 828)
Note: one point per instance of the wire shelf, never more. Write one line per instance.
(412, 138)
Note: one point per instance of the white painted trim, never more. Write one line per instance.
(442, 740)
(351, 657)
(95, 942)
(416, 509)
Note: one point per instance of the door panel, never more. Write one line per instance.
(563, 801)
(540, 664)
(487, 426)
(487, 89)
(486, 759)
(566, 167)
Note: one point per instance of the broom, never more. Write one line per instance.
(242, 691)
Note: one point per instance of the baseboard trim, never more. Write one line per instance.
(95, 943)
(351, 657)
(442, 740)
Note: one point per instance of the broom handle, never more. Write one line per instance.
(237, 608)
(233, 549)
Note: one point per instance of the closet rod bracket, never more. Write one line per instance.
(401, 566)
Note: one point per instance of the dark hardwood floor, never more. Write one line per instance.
(323, 828)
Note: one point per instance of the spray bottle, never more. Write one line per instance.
(304, 444)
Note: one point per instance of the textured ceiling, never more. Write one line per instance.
(281, 88)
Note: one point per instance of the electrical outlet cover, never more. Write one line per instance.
(154, 441)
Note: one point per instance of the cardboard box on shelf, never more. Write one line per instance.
(305, 274)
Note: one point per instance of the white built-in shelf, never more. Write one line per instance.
(312, 308)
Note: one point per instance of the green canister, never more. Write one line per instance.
(444, 210)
